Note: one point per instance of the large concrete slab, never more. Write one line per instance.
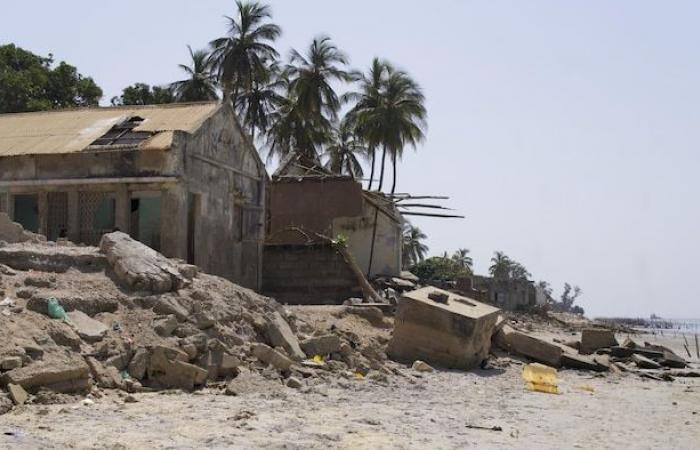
(454, 334)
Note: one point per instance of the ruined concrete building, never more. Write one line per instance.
(506, 294)
(305, 199)
(183, 179)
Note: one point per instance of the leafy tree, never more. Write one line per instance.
(200, 85)
(569, 296)
(439, 268)
(144, 94)
(462, 258)
(242, 57)
(29, 82)
(414, 249)
(343, 152)
(546, 289)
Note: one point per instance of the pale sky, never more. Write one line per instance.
(566, 131)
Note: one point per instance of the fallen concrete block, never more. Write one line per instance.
(87, 328)
(17, 393)
(168, 305)
(645, 363)
(579, 362)
(165, 325)
(279, 334)
(105, 376)
(455, 334)
(593, 339)
(10, 362)
(321, 345)
(270, 356)
(5, 404)
(534, 348)
(140, 267)
(139, 364)
(672, 360)
(167, 368)
(59, 372)
(294, 383)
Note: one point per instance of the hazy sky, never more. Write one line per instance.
(566, 131)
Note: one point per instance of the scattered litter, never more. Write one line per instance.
(479, 427)
(7, 302)
(541, 378)
(55, 309)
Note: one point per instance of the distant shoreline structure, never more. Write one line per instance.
(654, 323)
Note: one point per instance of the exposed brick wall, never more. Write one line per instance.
(307, 275)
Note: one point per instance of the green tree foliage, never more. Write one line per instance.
(200, 84)
(413, 250)
(390, 113)
(344, 152)
(504, 268)
(441, 268)
(29, 82)
(243, 57)
(144, 94)
(462, 258)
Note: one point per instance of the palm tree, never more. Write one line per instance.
(343, 151)
(413, 248)
(257, 104)
(500, 266)
(396, 119)
(462, 258)
(311, 77)
(367, 99)
(242, 57)
(201, 84)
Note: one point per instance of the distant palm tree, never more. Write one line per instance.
(242, 57)
(343, 152)
(367, 99)
(396, 119)
(413, 248)
(201, 84)
(462, 258)
(311, 77)
(500, 266)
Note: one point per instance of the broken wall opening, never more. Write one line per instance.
(26, 211)
(57, 220)
(145, 218)
(97, 215)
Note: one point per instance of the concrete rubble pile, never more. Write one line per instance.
(133, 320)
(597, 350)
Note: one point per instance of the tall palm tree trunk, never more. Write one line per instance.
(371, 174)
(381, 173)
(393, 164)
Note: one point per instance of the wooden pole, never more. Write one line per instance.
(697, 347)
(686, 346)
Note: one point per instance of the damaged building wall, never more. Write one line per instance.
(307, 274)
(199, 197)
(386, 256)
(224, 196)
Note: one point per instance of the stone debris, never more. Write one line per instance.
(90, 330)
(321, 345)
(454, 334)
(421, 366)
(280, 334)
(294, 383)
(141, 268)
(17, 393)
(271, 356)
(593, 339)
(524, 344)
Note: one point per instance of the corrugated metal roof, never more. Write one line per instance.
(70, 131)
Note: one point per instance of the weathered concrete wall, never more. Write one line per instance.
(387, 247)
(223, 169)
(104, 164)
(311, 204)
(307, 274)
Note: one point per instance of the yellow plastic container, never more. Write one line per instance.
(541, 378)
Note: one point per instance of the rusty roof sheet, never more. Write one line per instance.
(70, 131)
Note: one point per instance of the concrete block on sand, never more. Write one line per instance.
(593, 339)
(525, 345)
(88, 329)
(453, 334)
